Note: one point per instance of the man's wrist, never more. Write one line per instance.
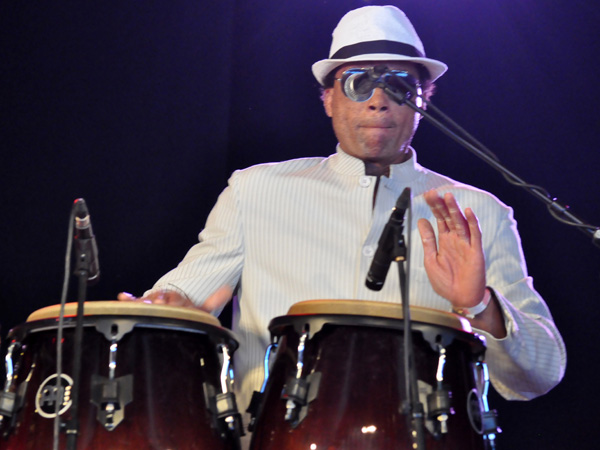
(471, 312)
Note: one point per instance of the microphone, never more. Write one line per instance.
(359, 87)
(85, 242)
(360, 84)
(384, 254)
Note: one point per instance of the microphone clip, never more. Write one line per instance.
(86, 248)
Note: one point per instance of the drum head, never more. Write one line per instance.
(380, 309)
(117, 308)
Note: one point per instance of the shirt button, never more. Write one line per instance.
(368, 250)
(364, 181)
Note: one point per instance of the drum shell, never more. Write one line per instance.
(171, 361)
(362, 386)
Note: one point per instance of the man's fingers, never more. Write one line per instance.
(161, 297)
(126, 297)
(166, 297)
(427, 237)
(459, 222)
(439, 210)
(474, 228)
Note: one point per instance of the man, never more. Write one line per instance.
(308, 228)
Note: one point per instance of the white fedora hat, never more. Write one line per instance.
(375, 33)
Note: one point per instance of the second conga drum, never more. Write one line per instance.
(344, 360)
(150, 376)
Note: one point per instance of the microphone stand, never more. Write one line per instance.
(397, 250)
(82, 270)
(556, 209)
(412, 406)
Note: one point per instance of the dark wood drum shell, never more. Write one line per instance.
(361, 390)
(171, 357)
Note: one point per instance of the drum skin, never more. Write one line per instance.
(361, 391)
(170, 360)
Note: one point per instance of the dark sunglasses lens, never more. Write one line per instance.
(348, 73)
(359, 87)
(402, 81)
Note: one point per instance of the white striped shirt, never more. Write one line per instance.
(307, 229)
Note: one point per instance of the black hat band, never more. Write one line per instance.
(382, 46)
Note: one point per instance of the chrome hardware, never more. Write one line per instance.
(112, 360)
(267, 365)
(483, 420)
(257, 396)
(299, 391)
(223, 405)
(8, 398)
(226, 380)
(295, 393)
(111, 394)
(438, 402)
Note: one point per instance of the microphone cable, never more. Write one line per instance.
(59, 337)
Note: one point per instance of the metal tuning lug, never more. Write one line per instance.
(223, 405)
(7, 397)
(438, 401)
(111, 395)
(483, 420)
(257, 396)
(299, 391)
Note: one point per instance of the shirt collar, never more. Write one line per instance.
(346, 164)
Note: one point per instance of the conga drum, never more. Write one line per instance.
(337, 380)
(151, 377)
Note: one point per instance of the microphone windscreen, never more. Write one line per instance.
(358, 87)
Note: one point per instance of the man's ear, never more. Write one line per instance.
(327, 99)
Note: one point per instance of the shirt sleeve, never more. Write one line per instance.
(217, 259)
(531, 359)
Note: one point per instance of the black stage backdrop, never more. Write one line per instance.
(145, 108)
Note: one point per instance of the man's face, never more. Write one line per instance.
(377, 131)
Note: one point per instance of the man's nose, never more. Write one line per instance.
(379, 101)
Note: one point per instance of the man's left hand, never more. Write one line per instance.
(455, 263)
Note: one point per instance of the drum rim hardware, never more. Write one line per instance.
(299, 391)
(257, 396)
(111, 395)
(104, 323)
(223, 405)
(430, 331)
(483, 419)
(8, 398)
(438, 402)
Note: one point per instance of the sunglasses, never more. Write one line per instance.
(359, 84)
